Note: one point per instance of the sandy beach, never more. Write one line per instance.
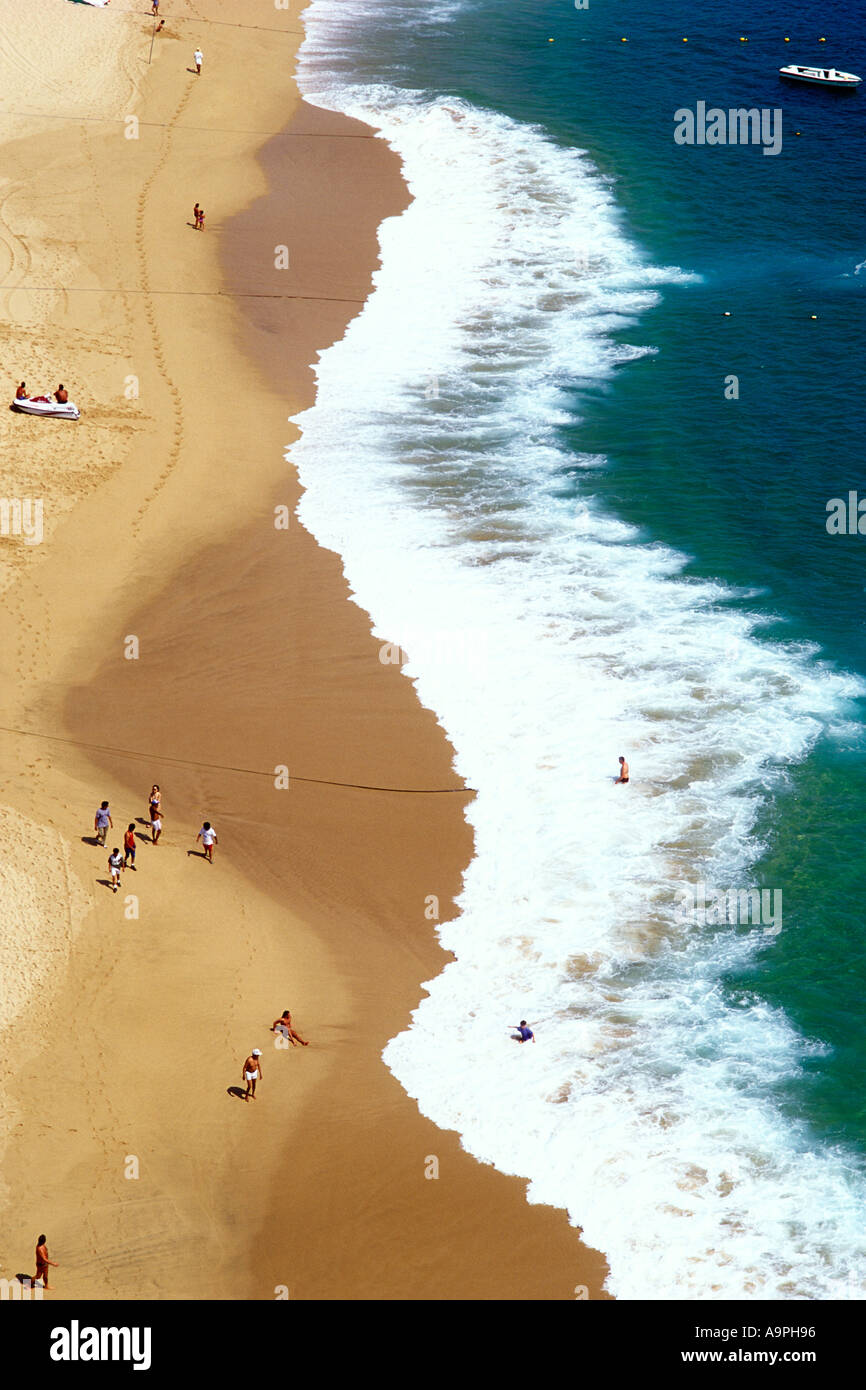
(171, 628)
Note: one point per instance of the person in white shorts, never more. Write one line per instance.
(252, 1072)
(198, 59)
(115, 864)
(208, 837)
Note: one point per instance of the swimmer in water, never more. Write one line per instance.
(623, 772)
(524, 1032)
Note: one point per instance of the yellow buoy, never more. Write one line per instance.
(822, 40)
(623, 40)
(551, 40)
(742, 40)
(787, 40)
(813, 316)
(726, 314)
(685, 40)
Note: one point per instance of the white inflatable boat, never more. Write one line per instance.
(46, 405)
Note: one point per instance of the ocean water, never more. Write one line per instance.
(525, 451)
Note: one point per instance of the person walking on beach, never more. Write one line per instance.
(101, 823)
(116, 862)
(42, 1262)
(201, 219)
(283, 1025)
(524, 1031)
(198, 59)
(129, 845)
(208, 837)
(153, 802)
(154, 9)
(252, 1072)
(155, 825)
(196, 214)
(623, 772)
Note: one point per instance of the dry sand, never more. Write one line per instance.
(126, 1018)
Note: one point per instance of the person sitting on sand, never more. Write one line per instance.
(61, 395)
(21, 393)
(284, 1025)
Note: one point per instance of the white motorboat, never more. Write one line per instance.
(47, 405)
(825, 77)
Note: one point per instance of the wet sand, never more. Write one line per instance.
(154, 1179)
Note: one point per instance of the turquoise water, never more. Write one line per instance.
(741, 486)
(604, 388)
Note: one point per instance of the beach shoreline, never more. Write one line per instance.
(250, 656)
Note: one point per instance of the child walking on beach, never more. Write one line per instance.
(115, 864)
(208, 837)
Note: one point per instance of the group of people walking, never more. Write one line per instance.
(117, 862)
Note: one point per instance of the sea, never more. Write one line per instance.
(577, 453)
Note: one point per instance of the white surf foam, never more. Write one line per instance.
(548, 638)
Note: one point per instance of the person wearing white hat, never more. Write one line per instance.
(252, 1072)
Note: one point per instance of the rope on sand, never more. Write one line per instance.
(249, 771)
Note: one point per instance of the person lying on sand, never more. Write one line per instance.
(284, 1025)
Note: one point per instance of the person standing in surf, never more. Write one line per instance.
(623, 772)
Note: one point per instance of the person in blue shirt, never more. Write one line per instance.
(525, 1033)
